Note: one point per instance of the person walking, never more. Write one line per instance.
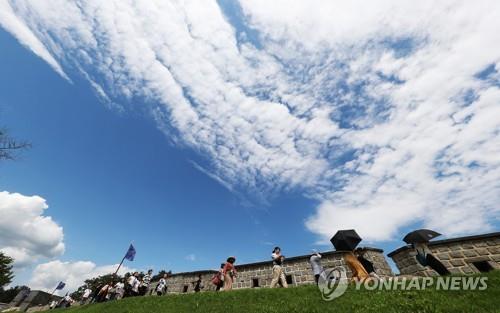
(359, 273)
(146, 280)
(162, 285)
(218, 278)
(104, 293)
(425, 258)
(119, 290)
(278, 273)
(229, 272)
(367, 264)
(197, 284)
(133, 285)
(85, 296)
(317, 268)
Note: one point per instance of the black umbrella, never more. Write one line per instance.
(346, 240)
(420, 235)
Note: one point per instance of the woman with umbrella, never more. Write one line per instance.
(347, 240)
(418, 240)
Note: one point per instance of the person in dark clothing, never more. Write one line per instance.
(367, 264)
(425, 258)
(197, 284)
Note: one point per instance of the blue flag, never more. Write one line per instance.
(130, 253)
(60, 286)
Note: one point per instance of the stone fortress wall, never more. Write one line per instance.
(256, 275)
(463, 255)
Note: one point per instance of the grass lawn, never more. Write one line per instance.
(308, 299)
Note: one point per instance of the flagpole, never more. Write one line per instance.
(119, 266)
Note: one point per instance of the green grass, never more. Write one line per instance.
(308, 299)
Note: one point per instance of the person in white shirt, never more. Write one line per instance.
(133, 284)
(146, 280)
(119, 290)
(86, 295)
(162, 284)
(316, 266)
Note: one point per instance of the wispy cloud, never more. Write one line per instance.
(378, 110)
(190, 257)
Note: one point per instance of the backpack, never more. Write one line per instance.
(216, 279)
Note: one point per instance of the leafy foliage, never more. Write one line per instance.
(8, 295)
(6, 274)
(160, 274)
(9, 146)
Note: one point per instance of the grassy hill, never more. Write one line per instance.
(308, 299)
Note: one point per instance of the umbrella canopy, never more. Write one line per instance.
(346, 240)
(420, 235)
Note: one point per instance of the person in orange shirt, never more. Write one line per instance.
(358, 271)
(229, 272)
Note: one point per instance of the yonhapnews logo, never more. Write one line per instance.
(333, 283)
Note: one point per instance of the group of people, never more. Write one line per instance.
(132, 285)
(139, 284)
(226, 275)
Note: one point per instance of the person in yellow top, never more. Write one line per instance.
(358, 271)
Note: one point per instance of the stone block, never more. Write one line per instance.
(478, 259)
(457, 262)
(467, 246)
(455, 270)
(443, 256)
(443, 249)
(480, 244)
(470, 253)
(456, 247)
(491, 243)
(456, 254)
(482, 251)
(494, 250)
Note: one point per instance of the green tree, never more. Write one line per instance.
(8, 295)
(6, 273)
(160, 274)
(9, 147)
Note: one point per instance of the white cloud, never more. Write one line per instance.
(374, 109)
(46, 276)
(190, 257)
(17, 27)
(25, 233)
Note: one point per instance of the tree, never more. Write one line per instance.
(8, 295)
(6, 274)
(160, 274)
(9, 147)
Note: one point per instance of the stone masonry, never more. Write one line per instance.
(464, 255)
(257, 275)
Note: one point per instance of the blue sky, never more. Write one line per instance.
(114, 178)
(199, 131)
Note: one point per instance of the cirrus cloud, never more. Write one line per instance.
(386, 113)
